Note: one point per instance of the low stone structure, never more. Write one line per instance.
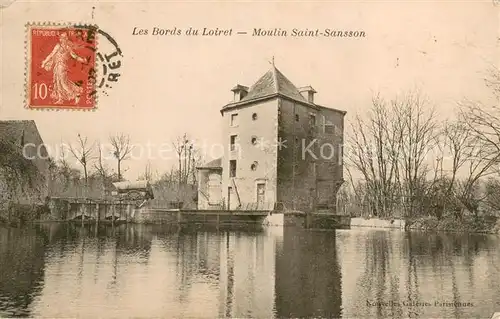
(66, 209)
(378, 223)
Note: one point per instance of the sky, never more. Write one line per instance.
(170, 85)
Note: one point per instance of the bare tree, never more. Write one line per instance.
(452, 143)
(467, 190)
(389, 148)
(122, 149)
(458, 142)
(483, 150)
(148, 174)
(187, 158)
(83, 154)
(417, 125)
(63, 165)
(375, 147)
(102, 169)
(99, 166)
(484, 122)
(493, 80)
(492, 194)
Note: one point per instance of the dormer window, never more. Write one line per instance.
(240, 91)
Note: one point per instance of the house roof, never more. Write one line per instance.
(215, 164)
(14, 129)
(272, 83)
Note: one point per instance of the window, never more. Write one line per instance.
(312, 120)
(214, 190)
(312, 124)
(254, 116)
(261, 193)
(254, 140)
(234, 119)
(296, 117)
(232, 168)
(330, 128)
(232, 142)
(254, 165)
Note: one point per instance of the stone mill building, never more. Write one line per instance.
(284, 151)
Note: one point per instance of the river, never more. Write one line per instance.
(64, 270)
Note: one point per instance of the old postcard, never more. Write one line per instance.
(281, 159)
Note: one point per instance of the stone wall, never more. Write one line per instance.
(316, 221)
(329, 167)
(296, 178)
(62, 210)
(378, 223)
(157, 216)
(209, 188)
(263, 153)
(295, 220)
(274, 220)
(328, 221)
(310, 166)
(146, 216)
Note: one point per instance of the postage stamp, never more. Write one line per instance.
(60, 67)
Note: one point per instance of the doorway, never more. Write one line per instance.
(229, 193)
(261, 194)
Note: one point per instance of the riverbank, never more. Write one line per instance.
(17, 214)
(468, 224)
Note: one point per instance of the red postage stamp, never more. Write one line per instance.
(60, 64)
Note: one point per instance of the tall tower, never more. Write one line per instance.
(284, 150)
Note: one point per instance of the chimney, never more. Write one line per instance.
(240, 91)
(308, 93)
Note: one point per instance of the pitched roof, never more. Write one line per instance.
(14, 129)
(273, 82)
(216, 163)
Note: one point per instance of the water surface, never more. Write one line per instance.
(64, 270)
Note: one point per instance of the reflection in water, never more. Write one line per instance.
(308, 278)
(21, 269)
(409, 275)
(59, 270)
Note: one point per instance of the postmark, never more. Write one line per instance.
(69, 65)
(107, 68)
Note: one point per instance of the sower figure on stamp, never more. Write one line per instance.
(63, 88)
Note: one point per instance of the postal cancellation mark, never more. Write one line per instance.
(60, 60)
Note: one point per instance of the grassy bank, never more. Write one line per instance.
(469, 224)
